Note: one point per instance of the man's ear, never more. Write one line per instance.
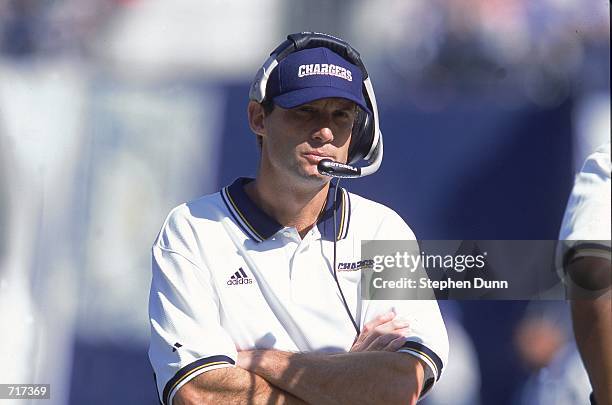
(256, 118)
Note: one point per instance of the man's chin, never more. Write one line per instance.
(306, 172)
(311, 173)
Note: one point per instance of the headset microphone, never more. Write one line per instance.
(335, 169)
(332, 168)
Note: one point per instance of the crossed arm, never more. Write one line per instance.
(232, 386)
(372, 372)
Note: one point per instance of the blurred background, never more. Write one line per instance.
(114, 111)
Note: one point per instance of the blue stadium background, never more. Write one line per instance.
(113, 112)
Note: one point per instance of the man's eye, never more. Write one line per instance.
(306, 109)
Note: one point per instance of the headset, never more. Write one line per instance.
(366, 139)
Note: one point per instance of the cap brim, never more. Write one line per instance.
(296, 98)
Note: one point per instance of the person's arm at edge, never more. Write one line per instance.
(232, 385)
(593, 323)
(355, 378)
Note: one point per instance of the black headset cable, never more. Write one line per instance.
(348, 311)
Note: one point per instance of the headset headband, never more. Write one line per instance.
(307, 40)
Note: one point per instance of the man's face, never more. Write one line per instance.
(295, 140)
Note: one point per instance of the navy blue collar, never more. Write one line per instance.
(260, 226)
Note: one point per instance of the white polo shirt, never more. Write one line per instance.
(227, 277)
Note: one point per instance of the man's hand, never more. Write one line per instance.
(385, 333)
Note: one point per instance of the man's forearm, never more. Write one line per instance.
(232, 386)
(355, 378)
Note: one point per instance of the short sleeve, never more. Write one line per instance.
(427, 338)
(585, 229)
(187, 338)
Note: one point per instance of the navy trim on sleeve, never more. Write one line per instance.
(427, 352)
(582, 246)
(190, 369)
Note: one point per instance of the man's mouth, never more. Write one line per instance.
(316, 157)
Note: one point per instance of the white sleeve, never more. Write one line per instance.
(586, 224)
(427, 338)
(187, 338)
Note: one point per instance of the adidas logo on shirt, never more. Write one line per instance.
(239, 277)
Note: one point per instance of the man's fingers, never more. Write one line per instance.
(395, 344)
(368, 339)
(380, 332)
(382, 325)
(379, 320)
(392, 326)
(390, 342)
(244, 360)
(380, 342)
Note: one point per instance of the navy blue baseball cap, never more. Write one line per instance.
(312, 74)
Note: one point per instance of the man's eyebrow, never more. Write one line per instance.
(348, 107)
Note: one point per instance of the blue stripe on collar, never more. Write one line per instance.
(260, 226)
(253, 221)
(326, 221)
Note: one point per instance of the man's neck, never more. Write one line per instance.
(293, 206)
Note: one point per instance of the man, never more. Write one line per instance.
(246, 304)
(585, 235)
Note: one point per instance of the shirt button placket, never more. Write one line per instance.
(300, 267)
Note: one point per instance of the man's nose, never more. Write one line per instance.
(323, 130)
(324, 134)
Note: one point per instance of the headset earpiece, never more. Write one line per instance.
(361, 138)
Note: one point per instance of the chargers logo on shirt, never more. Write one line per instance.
(354, 266)
(239, 277)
